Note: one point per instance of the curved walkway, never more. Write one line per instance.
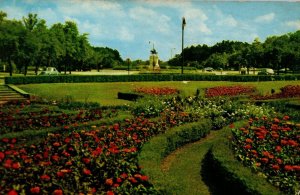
(183, 166)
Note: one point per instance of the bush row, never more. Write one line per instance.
(229, 175)
(129, 96)
(145, 77)
(154, 151)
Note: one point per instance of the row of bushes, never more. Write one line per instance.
(145, 77)
(154, 151)
(228, 175)
(129, 96)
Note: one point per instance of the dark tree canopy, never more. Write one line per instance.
(31, 43)
(277, 52)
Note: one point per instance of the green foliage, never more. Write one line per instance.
(269, 147)
(150, 106)
(71, 105)
(184, 134)
(129, 96)
(30, 42)
(159, 146)
(276, 52)
(229, 175)
(145, 77)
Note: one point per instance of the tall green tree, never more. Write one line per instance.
(30, 46)
(71, 34)
(58, 49)
(10, 33)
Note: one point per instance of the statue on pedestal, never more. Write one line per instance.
(153, 60)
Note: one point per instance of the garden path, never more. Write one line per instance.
(184, 165)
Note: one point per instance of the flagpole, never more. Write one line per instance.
(182, 43)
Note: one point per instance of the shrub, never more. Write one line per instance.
(159, 146)
(228, 175)
(150, 106)
(129, 96)
(144, 77)
(184, 134)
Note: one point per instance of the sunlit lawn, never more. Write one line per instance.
(106, 93)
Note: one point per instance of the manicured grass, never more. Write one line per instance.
(183, 167)
(106, 93)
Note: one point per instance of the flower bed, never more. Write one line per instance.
(14, 119)
(158, 91)
(96, 160)
(229, 91)
(288, 91)
(271, 147)
(101, 159)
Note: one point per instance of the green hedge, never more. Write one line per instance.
(129, 96)
(154, 151)
(229, 175)
(144, 77)
(185, 134)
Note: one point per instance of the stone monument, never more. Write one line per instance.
(153, 60)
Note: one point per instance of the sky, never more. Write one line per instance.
(133, 27)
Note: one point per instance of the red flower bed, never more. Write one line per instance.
(271, 146)
(14, 119)
(286, 92)
(228, 91)
(88, 161)
(96, 161)
(157, 90)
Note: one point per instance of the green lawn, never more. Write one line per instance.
(106, 93)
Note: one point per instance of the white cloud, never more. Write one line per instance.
(227, 21)
(178, 4)
(195, 19)
(150, 19)
(49, 15)
(91, 8)
(294, 24)
(223, 19)
(124, 34)
(265, 18)
(94, 30)
(14, 12)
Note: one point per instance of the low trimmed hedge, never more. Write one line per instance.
(154, 151)
(144, 77)
(229, 175)
(129, 96)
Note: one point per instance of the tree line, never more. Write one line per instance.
(30, 43)
(277, 52)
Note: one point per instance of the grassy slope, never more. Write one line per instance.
(106, 93)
